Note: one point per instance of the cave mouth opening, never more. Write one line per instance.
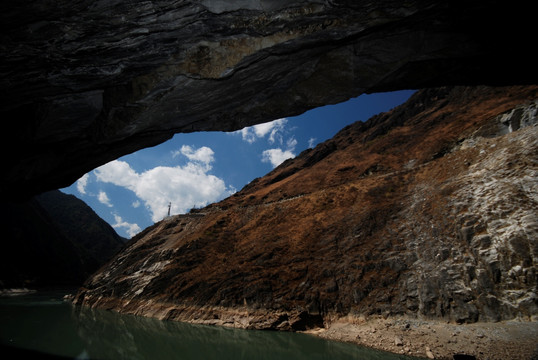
(192, 170)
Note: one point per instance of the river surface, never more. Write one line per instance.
(43, 322)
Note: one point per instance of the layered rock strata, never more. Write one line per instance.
(84, 82)
(427, 211)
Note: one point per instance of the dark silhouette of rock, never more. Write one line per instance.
(82, 225)
(52, 240)
(464, 357)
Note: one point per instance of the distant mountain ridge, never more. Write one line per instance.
(82, 225)
(428, 210)
(53, 240)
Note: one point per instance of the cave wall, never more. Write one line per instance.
(88, 81)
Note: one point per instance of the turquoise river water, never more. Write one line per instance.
(42, 323)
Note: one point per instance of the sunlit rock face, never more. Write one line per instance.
(84, 82)
(428, 211)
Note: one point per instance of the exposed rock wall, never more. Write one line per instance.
(485, 266)
(84, 82)
(427, 211)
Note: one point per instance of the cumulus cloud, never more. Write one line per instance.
(135, 204)
(274, 129)
(203, 154)
(276, 156)
(103, 199)
(185, 186)
(82, 183)
(131, 229)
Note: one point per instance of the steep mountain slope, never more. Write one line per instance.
(428, 211)
(53, 240)
(82, 225)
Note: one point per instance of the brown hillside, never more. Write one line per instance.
(428, 211)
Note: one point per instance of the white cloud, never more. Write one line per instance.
(184, 186)
(311, 142)
(273, 128)
(276, 156)
(203, 154)
(103, 199)
(274, 131)
(117, 172)
(291, 143)
(131, 229)
(82, 183)
(135, 204)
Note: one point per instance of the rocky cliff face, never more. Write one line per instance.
(53, 240)
(84, 82)
(428, 211)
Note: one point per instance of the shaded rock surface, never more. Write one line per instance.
(426, 211)
(53, 240)
(84, 82)
(82, 225)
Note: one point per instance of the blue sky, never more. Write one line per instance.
(194, 170)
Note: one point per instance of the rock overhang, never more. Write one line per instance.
(84, 83)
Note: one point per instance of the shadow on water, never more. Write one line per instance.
(48, 325)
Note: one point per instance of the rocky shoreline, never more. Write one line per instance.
(422, 338)
(515, 339)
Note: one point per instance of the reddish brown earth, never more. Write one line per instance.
(425, 214)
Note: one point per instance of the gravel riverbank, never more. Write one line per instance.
(508, 340)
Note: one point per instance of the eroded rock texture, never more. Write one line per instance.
(429, 210)
(84, 82)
